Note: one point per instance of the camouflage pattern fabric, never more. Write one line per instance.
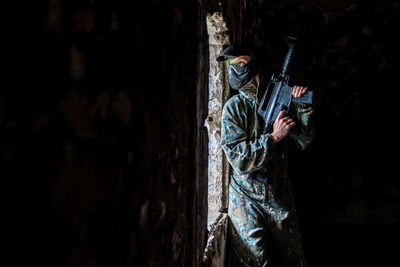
(263, 225)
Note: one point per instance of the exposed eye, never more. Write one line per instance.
(241, 63)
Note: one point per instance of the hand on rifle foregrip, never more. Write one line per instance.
(281, 127)
(299, 91)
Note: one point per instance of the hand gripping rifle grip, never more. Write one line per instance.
(304, 99)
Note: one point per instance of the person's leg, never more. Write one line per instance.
(288, 249)
(247, 231)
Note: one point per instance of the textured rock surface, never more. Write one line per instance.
(215, 252)
(217, 89)
(99, 132)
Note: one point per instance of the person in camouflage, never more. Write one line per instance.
(263, 228)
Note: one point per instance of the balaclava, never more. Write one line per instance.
(239, 75)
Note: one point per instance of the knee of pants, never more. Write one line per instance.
(249, 245)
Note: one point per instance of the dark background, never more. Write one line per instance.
(103, 152)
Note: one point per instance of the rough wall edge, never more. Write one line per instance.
(217, 174)
(218, 166)
(215, 251)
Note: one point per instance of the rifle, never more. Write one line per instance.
(278, 95)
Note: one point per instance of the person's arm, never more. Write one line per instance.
(245, 156)
(304, 119)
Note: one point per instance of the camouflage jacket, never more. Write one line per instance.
(259, 165)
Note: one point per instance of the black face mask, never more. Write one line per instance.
(240, 75)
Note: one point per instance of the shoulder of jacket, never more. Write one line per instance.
(234, 102)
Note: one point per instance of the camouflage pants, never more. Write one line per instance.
(256, 239)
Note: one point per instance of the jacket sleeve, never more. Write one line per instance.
(245, 156)
(303, 132)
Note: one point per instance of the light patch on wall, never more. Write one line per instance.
(143, 214)
(218, 89)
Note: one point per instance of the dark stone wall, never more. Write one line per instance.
(98, 106)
